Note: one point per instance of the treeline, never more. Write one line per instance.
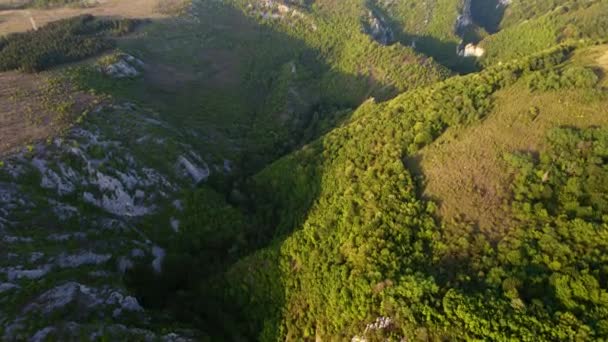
(53, 3)
(18, 4)
(60, 42)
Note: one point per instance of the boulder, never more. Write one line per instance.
(125, 66)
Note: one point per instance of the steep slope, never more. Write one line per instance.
(465, 208)
(434, 28)
(357, 252)
(107, 206)
(69, 212)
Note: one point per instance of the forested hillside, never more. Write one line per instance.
(428, 26)
(354, 245)
(531, 26)
(307, 170)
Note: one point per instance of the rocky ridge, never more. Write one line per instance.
(69, 216)
(378, 28)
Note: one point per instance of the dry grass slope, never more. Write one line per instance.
(464, 170)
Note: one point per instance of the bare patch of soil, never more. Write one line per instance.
(32, 109)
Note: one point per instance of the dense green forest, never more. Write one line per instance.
(60, 42)
(319, 227)
(368, 247)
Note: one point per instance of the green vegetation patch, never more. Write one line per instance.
(574, 77)
(60, 42)
(54, 3)
(532, 26)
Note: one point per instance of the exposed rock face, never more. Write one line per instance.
(78, 200)
(126, 66)
(5, 287)
(73, 301)
(83, 258)
(381, 323)
(282, 10)
(18, 273)
(276, 9)
(159, 255)
(471, 50)
(197, 173)
(465, 19)
(378, 28)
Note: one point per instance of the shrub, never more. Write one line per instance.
(574, 77)
(579, 77)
